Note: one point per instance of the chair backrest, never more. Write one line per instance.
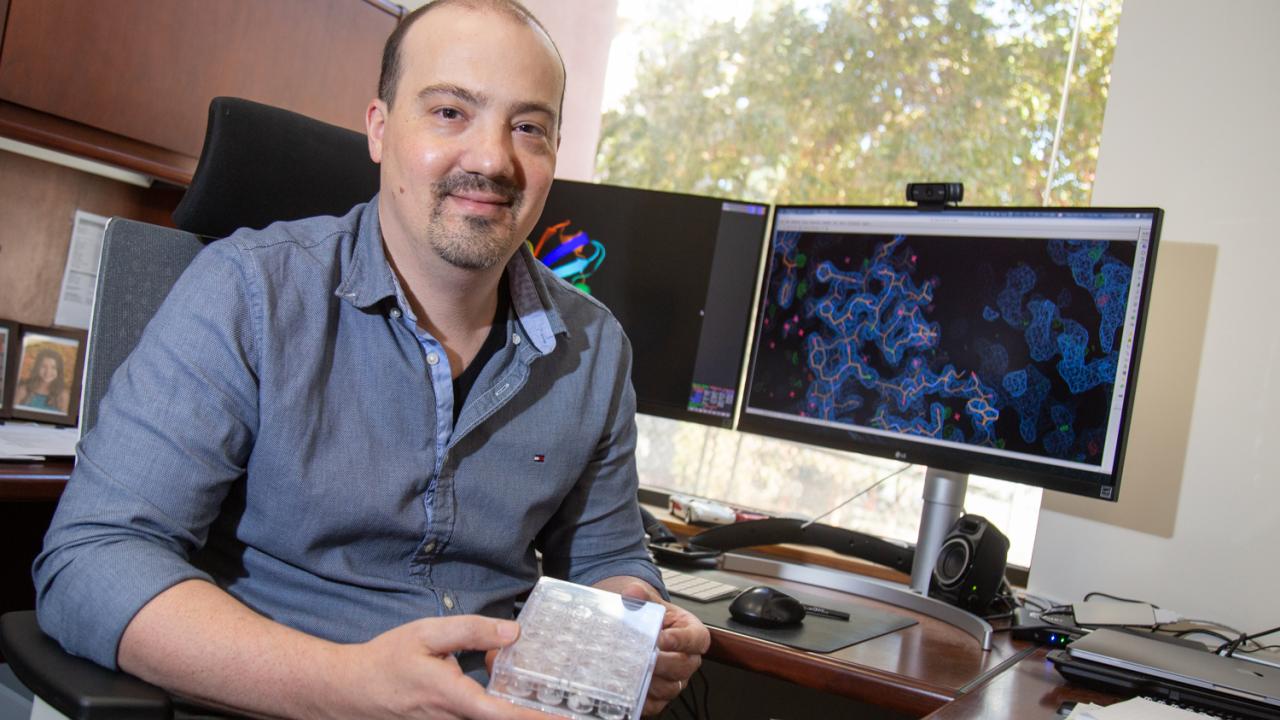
(261, 164)
(139, 265)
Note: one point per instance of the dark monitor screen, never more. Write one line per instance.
(679, 273)
(1002, 342)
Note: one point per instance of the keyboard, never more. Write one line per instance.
(696, 587)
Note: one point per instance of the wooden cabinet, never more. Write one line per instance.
(129, 81)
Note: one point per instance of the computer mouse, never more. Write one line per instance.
(764, 606)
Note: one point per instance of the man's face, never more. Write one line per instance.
(468, 146)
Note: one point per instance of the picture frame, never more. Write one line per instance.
(45, 374)
(8, 335)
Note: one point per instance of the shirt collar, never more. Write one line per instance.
(537, 312)
(368, 280)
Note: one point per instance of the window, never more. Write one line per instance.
(844, 102)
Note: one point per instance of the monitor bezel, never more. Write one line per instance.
(1043, 475)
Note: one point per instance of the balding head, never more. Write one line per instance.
(392, 56)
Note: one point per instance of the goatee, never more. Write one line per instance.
(476, 243)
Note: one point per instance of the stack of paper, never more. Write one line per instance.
(22, 441)
(1135, 709)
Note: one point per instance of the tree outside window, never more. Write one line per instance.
(846, 101)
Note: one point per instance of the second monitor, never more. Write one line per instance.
(999, 341)
(678, 271)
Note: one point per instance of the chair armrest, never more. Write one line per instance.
(78, 688)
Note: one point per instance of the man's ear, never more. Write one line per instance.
(375, 122)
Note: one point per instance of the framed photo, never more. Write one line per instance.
(44, 375)
(8, 335)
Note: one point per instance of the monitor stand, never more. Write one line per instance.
(943, 504)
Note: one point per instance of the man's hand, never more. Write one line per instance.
(681, 644)
(197, 641)
(410, 672)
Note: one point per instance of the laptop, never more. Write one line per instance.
(1179, 663)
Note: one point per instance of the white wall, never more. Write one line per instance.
(1192, 126)
(583, 32)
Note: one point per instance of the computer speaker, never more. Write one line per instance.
(970, 565)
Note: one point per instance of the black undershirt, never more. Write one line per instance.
(495, 341)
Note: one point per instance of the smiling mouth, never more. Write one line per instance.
(482, 199)
(480, 206)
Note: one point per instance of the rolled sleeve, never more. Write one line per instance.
(174, 433)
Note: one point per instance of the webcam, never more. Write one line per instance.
(931, 193)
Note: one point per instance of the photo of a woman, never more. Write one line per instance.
(44, 375)
(45, 389)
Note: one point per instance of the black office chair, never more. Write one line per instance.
(259, 164)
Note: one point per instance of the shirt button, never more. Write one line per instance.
(448, 602)
(515, 339)
(395, 313)
(432, 359)
(429, 547)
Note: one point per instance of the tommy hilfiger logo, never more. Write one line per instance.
(539, 458)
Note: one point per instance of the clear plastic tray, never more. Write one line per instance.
(583, 653)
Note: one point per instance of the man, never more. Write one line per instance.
(324, 472)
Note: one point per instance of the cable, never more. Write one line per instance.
(706, 695)
(1260, 649)
(1230, 648)
(685, 703)
(1046, 615)
(696, 701)
(1034, 602)
(1200, 631)
(1120, 599)
(1264, 633)
(1004, 595)
(688, 700)
(859, 494)
(1193, 621)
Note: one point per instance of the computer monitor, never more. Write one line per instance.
(995, 341)
(679, 273)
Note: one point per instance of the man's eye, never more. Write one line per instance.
(449, 113)
(530, 129)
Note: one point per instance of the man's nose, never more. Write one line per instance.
(491, 152)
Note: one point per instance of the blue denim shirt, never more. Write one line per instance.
(277, 432)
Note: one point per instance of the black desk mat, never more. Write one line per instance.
(815, 634)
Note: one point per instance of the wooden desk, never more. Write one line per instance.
(1031, 689)
(930, 669)
(33, 481)
(914, 671)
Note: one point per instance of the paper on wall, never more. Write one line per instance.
(80, 278)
